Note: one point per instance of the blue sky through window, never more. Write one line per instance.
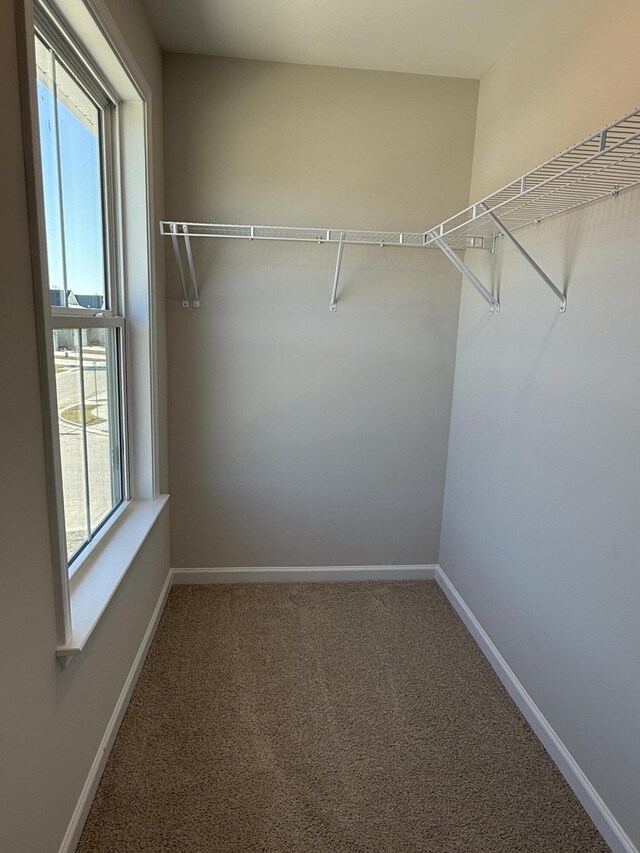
(81, 197)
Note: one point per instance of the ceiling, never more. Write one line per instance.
(456, 38)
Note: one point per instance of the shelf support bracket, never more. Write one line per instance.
(333, 306)
(494, 305)
(176, 250)
(529, 259)
(192, 272)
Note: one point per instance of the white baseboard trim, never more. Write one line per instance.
(81, 811)
(303, 574)
(594, 805)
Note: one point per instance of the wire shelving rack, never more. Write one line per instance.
(601, 165)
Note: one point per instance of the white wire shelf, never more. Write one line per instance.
(602, 164)
(182, 232)
(294, 234)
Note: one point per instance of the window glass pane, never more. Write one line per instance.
(66, 344)
(71, 151)
(49, 154)
(99, 360)
(80, 155)
(88, 396)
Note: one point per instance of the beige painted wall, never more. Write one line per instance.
(305, 145)
(51, 722)
(301, 437)
(540, 528)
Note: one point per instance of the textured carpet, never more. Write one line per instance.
(326, 718)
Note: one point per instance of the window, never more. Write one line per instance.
(87, 122)
(77, 120)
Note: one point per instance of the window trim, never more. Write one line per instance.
(95, 31)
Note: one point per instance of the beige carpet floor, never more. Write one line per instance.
(326, 718)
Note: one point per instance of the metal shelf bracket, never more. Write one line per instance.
(173, 230)
(192, 272)
(176, 251)
(333, 306)
(485, 293)
(529, 259)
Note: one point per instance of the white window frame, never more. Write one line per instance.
(111, 316)
(81, 600)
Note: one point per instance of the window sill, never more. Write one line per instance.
(94, 584)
